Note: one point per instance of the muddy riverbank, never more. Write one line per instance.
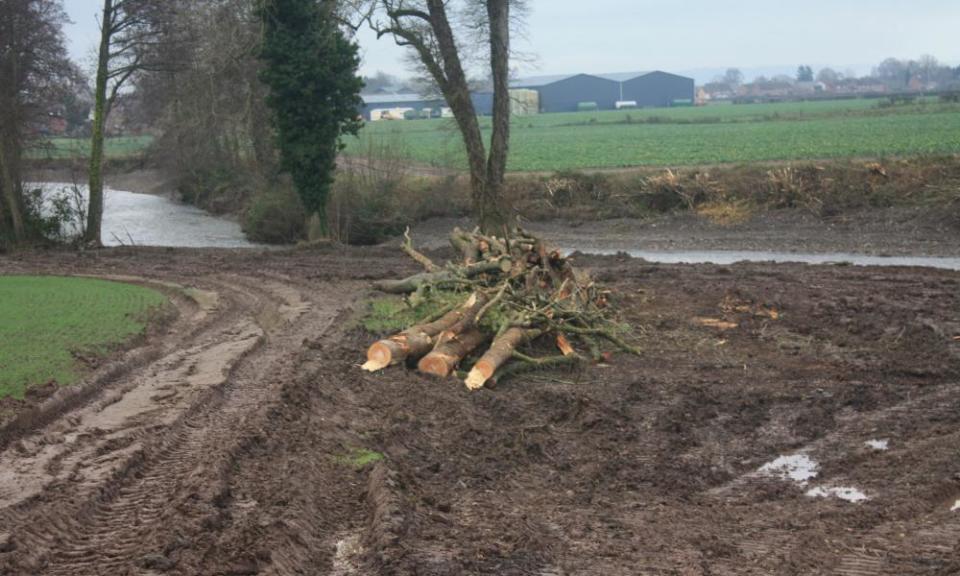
(231, 443)
(873, 232)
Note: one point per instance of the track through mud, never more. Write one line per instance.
(226, 443)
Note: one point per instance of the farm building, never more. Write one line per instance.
(400, 106)
(609, 91)
(659, 90)
(568, 93)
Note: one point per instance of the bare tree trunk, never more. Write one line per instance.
(486, 187)
(11, 201)
(491, 202)
(95, 210)
(431, 35)
(10, 183)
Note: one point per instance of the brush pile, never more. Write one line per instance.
(516, 291)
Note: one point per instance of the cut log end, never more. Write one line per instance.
(373, 366)
(478, 377)
(380, 355)
(437, 364)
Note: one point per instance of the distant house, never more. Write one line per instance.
(769, 89)
(56, 124)
(859, 86)
(809, 87)
(719, 91)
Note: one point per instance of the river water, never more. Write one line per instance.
(130, 218)
(148, 220)
(733, 256)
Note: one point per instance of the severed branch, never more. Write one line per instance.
(417, 256)
(454, 277)
(523, 363)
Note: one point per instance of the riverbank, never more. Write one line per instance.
(917, 231)
(893, 207)
(129, 177)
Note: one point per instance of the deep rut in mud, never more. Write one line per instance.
(92, 492)
(227, 444)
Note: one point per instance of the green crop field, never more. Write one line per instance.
(722, 133)
(115, 147)
(45, 320)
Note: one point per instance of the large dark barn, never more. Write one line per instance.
(565, 93)
(658, 89)
(646, 89)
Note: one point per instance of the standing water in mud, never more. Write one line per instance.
(149, 220)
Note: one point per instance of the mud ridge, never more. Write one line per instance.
(385, 529)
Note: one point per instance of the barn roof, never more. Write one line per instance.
(538, 81)
(624, 76)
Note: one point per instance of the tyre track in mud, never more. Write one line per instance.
(162, 465)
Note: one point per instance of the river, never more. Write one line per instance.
(149, 220)
(136, 219)
(733, 256)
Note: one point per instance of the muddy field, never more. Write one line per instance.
(784, 419)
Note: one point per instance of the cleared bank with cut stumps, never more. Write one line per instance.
(47, 322)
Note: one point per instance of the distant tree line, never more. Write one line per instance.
(892, 75)
(35, 75)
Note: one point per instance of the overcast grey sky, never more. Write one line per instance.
(689, 36)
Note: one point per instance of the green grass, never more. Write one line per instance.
(116, 147)
(45, 321)
(723, 133)
(359, 458)
(391, 314)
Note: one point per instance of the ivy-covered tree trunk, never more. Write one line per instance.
(11, 127)
(95, 182)
(311, 70)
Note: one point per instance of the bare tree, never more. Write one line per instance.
(208, 102)
(129, 31)
(33, 65)
(733, 77)
(439, 33)
(829, 76)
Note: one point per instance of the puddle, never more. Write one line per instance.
(724, 257)
(879, 445)
(842, 492)
(346, 558)
(798, 467)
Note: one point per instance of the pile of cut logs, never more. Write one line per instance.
(516, 290)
